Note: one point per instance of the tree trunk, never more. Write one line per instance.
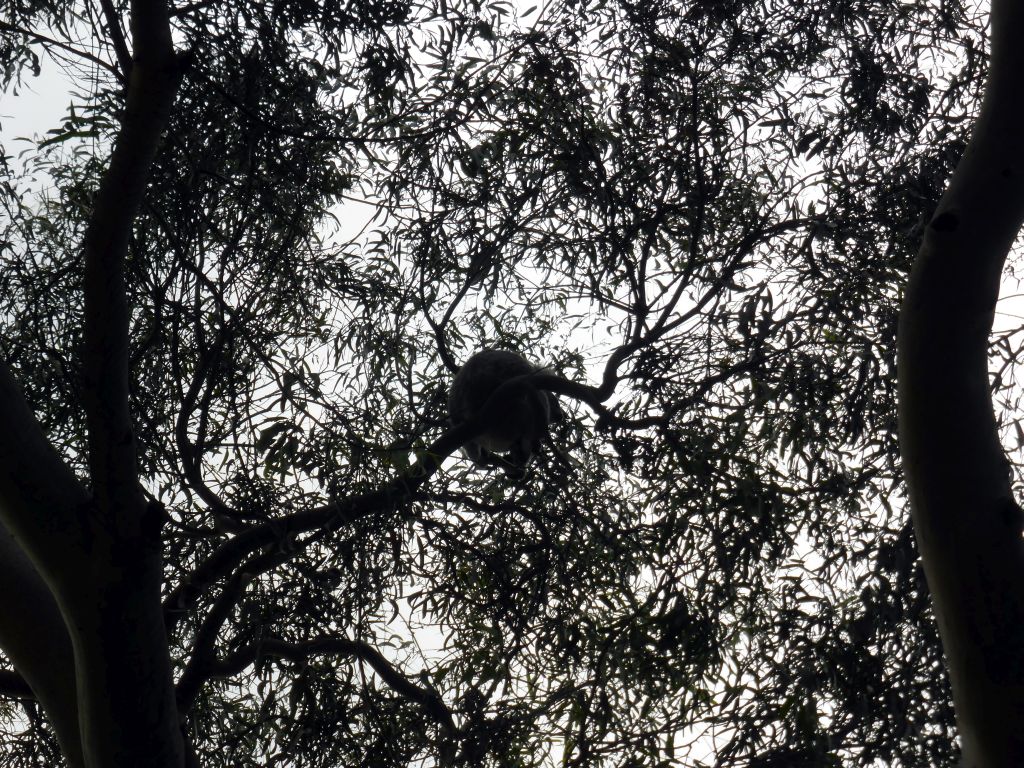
(968, 526)
(97, 556)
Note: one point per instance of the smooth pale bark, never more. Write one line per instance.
(968, 526)
(33, 637)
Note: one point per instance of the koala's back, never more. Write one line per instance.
(477, 380)
(479, 376)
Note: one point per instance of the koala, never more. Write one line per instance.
(514, 427)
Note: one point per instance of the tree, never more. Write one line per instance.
(233, 535)
(968, 524)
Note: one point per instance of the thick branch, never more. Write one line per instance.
(151, 91)
(41, 509)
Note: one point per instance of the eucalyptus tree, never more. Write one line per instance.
(969, 526)
(237, 281)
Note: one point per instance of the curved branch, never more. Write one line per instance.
(34, 638)
(203, 645)
(427, 698)
(223, 562)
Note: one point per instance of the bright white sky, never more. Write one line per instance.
(37, 105)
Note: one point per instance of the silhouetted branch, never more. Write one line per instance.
(339, 646)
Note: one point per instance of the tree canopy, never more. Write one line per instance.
(698, 215)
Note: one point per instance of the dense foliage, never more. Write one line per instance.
(705, 208)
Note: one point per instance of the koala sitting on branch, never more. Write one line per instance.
(515, 424)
